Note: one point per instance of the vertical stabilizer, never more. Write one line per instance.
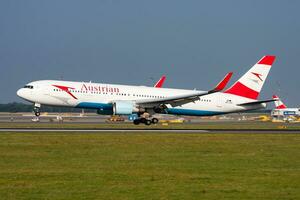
(251, 83)
(278, 103)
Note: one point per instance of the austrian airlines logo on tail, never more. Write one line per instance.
(257, 75)
(250, 84)
(66, 89)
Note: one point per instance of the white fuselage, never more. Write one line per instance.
(100, 96)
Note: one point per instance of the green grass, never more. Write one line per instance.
(201, 125)
(149, 166)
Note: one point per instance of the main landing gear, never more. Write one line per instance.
(145, 121)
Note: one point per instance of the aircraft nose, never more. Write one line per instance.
(20, 92)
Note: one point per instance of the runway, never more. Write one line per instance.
(102, 130)
(212, 131)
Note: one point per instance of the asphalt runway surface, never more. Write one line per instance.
(242, 131)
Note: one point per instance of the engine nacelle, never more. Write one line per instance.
(104, 112)
(124, 108)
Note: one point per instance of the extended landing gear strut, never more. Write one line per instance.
(36, 109)
(145, 121)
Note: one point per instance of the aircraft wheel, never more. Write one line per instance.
(148, 122)
(36, 111)
(154, 121)
(143, 120)
(136, 121)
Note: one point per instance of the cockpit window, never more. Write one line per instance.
(28, 86)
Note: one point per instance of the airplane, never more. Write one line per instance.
(144, 102)
(282, 111)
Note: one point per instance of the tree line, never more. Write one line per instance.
(22, 107)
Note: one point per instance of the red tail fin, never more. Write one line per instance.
(278, 103)
(251, 83)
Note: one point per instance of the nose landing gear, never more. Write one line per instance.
(36, 109)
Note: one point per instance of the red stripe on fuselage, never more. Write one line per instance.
(241, 90)
(66, 89)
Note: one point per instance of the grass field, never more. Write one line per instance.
(149, 166)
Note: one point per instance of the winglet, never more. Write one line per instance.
(160, 82)
(222, 84)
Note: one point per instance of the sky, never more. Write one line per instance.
(194, 43)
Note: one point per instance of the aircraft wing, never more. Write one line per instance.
(178, 100)
(256, 102)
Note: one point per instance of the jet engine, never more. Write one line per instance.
(124, 108)
(102, 111)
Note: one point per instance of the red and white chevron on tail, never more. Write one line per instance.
(278, 103)
(251, 83)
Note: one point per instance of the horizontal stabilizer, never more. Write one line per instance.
(256, 102)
